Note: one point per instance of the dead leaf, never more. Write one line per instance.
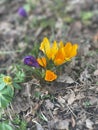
(80, 96)
(95, 41)
(38, 126)
(59, 124)
(61, 100)
(62, 124)
(73, 121)
(59, 23)
(95, 72)
(93, 100)
(71, 98)
(65, 78)
(55, 111)
(49, 104)
(84, 49)
(89, 124)
(84, 76)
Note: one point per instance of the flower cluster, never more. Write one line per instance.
(54, 55)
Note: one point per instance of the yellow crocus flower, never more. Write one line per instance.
(70, 51)
(45, 45)
(59, 54)
(50, 51)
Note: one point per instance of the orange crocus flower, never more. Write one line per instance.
(65, 53)
(50, 75)
(59, 57)
(42, 61)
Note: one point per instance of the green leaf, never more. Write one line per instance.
(8, 90)
(2, 85)
(23, 125)
(19, 76)
(1, 79)
(3, 102)
(47, 23)
(19, 122)
(42, 116)
(37, 94)
(35, 50)
(5, 126)
(1, 75)
(86, 15)
(68, 19)
(16, 86)
(27, 7)
(96, 83)
(6, 95)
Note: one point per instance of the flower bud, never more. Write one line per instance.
(31, 61)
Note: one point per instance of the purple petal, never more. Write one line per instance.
(31, 61)
(22, 12)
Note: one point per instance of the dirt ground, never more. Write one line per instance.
(70, 103)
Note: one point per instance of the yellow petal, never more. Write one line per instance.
(70, 50)
(45, 45)
(74, 50)
(65, 53)
(50, 51)
(7, 80)
(53, 50)
(50, 75)
(58, 62)
(42, 62)
(61, 44)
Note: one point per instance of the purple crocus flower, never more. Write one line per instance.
(22, 12)
(31, 61)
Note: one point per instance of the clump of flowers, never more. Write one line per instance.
(52, 56)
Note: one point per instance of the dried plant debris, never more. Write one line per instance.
(71, 102)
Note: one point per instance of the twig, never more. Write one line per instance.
(71, 111)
